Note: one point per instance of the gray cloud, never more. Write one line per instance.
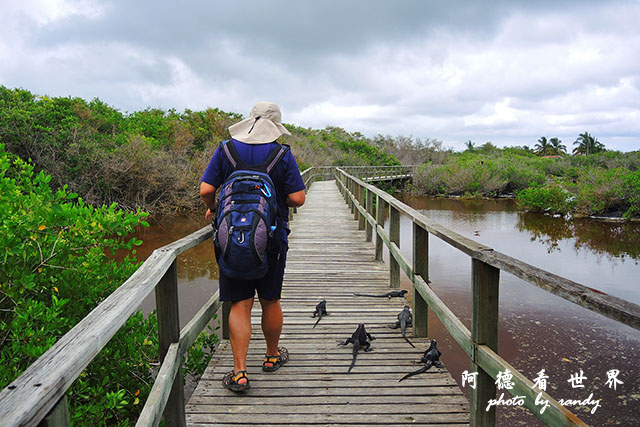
(503, 71)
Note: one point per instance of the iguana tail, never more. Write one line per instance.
(356, 346)
(319, 317)
(419, 371)
(404, 335)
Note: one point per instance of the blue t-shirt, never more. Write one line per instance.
(286, 175)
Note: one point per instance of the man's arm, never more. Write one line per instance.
(295, 200)
(208, 196)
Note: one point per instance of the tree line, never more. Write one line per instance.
(585, 144)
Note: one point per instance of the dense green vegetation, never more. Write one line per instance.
(605, 183)
(151, 159)
(57, 265)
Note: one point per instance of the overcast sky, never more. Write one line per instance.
(502, 71)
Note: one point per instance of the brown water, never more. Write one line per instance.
(197, 268)
(537, 330)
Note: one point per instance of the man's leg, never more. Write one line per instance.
(271, 325)
(240, 333)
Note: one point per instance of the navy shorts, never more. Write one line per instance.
(269, 287)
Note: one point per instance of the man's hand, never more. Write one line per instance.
(207, 194)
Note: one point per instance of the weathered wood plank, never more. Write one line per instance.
(305, 419)
(151, 414)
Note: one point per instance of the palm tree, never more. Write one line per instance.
(587, 144)
(557, 147)
(470, 145)
(542, 147)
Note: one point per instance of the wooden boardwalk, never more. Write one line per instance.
(330, 259)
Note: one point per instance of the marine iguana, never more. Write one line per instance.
(431, 357)
(389, 294)
(321, 310)
(405, 318)
(359, 339)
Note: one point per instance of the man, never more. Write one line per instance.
(254, 138)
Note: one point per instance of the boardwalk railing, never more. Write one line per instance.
(481, 343)
(39, 393)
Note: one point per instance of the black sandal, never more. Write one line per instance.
(276, 361)
(230, 381)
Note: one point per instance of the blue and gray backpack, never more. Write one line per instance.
(246, 226)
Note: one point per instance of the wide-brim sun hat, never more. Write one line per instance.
(263, 126)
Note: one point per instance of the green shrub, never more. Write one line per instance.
(631, 190)
(551, 199)
(54, 271)
(428, 180)
(600, 191)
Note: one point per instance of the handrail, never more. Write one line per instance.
(39, 392)
(480, 343)
(30, 397)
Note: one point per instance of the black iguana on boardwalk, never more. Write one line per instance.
(359, 339)
(430, 358)
(389, 294)
(321, 310)
(405, 318)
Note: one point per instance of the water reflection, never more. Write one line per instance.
(616, 241)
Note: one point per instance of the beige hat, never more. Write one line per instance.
(262, 127)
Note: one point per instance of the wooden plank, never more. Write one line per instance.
(554, 415)
(380, 211)
(420, 268)
(58, 416)
(484, 331)
(168, 334)
(154, 407)
(305, 419)
(390, 408)
(610, 306)
(394, 237)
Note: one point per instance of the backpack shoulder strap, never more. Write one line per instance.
(275, 156)
(232, 155)
(230, 152)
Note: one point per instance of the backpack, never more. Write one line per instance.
(246, 225)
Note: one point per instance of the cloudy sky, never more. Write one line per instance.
(501, 71)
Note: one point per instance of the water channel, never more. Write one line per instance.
(537, 330)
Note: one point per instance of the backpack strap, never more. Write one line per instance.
(232, 155)
(275, 156)
(229, 149)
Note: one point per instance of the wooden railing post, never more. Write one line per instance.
(361, 218)
(369, 229)
(168, 333)
(351, 187)
(58, 416)
(394, 236)
(380, 211)
(421, 268)
(484, 331)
